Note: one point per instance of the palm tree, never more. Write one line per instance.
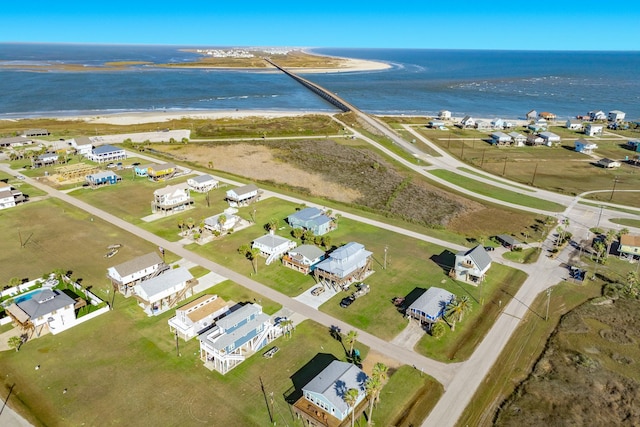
(372, 387)
(623, 232)
(600, 248)
(351, 340)
(609, 238)
(456, 308)
(222, 218)
(632, 279)
(254, 258)
(272, 225)
(351, 397)
(287, 325)
(190, 223)
(326, 241)
(15, 342)
(381, 371)
(297, 233)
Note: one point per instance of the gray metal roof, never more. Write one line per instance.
(102, 174)
(312, 214)
(137, 264)
(334, 381)
(245, 189)
(345, 259)
(238, 315)
(104, 149)
(201, 179)
(245, 331)
(45, 302)
(271, 240)
(308, 251)
(479, 256)
(509, 240)
(432, 301)
(165, 281)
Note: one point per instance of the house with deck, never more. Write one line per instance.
(444, 115)
(497, 123)
(303, 258)
(143, 170)
(235, 337)
(50, 309)
(323, 398)
(222, 222)
(195, 317)
(124, 276)
(532, 115)
(102, 178)
(171, 198)
(430, 306)
(202, 183)
(312, 219)
(500, 138)
(467, 122)
(163, 172)
(574, 124)
(518, 139)
(584, 146)
(597, 115)
(82, 145)
(347, 264)
(616, 116)
(550, 138)
(534, 140)
(243, 196)
(106, 153)
(272, 246)
(164, 291)
(593, 130)
(547, 115)
(629, 246)
(472, 265)
(483, 125)
(10, 197)
(44, 160)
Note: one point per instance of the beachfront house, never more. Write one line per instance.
(472, 265)
(436, 124)
(444, 115)
(124, 276)
(597, 115)
(574, 124)
(164, 291)
(171, 198)
(161, 172)
(101, 178)
(608, 163)
(497, 123)
(312, 219)
(272, 246)
(235, 337)
(584, 146)
(195, 317)
(550, 138)
(616, 116)
(323, 398)
(629, 246)
(500, 138)
(347, 264)
(222, 222)
(536, 128)
(467, 122)
(202, 183)
(303, 258)
(547, 115)
(243, 196)
(430, 306)
(518, 139)
(49, 309)
(106, 153)
(82, 145)
(483, 125)
(593, 130)
(534, 140)
(531, 115)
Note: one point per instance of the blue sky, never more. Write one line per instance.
(459, 24)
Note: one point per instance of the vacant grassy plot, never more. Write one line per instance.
(57, 235)
(626, 222)
(525, 256)
(497, 192)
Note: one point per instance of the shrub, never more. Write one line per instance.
(438, 330)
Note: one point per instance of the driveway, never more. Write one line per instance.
(315, 301)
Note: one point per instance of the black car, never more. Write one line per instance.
(489, 248)
(346, 302)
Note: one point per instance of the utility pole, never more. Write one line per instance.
(504, 169)
(482, 161)
(546, 317)
(599, 216)
(534, 174)
(177, 346)
(385, 257)
(613, 190)
(462, 151)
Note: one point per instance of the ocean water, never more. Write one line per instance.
(480, 83)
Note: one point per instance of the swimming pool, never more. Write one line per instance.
(26, 296)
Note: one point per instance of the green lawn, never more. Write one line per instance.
(626, 222)
(525, 256)
(497, 192)
(18, 184)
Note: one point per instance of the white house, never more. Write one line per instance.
(243, 196)
(326, 392)
(597, 115)
(9, 197)
(106, 153)
(272, 246)
(172, 198)
(500, 138)
(550, 138)
(609, 164)
(159, 293)
(348, 263)
(216, 223)
(534, 140)
(593, 130)
(435, 124)
(193, 318)
(468, 122)
(532, 115)
(82, 145)
(497, 123)
(124, 276)
(574, 124)
(48, 308)
(518, 139)
(616, 116)
(586, 147)
(483, 125)
(202, 183)
(472, 265)
(444, 115)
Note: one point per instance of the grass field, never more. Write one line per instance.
(497, 192)
(18, 184)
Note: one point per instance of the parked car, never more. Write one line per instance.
(489, 248)
(317, 291)
(347, 301)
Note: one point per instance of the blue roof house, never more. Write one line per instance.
(106, 153)
(346, 264)
(326, 392)
(235, 337)
(312, 219)
(102, 178)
